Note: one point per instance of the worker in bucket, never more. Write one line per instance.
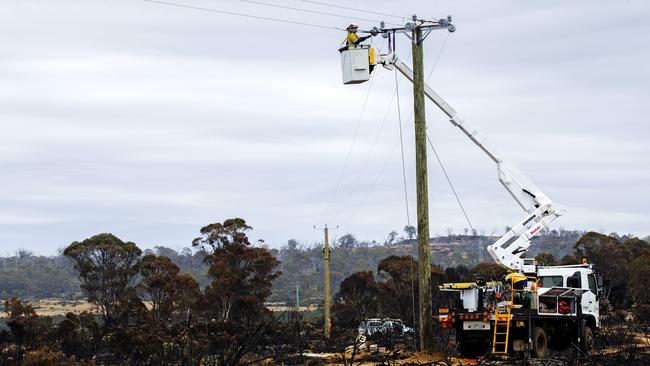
(352, 38)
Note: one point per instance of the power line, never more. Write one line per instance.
(399, 139)
(406, 197)
(243, 15)
(312, 11)
(401, 144)
(363, 199)
(435, 63)
(374, 183)
(442, 48)
(297, 23)
(433, 68)
(347, 159)
(450, 183)
(462, 207)
(372, 149)
(349, 8)
(365, 164)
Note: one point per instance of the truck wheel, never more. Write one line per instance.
(587, 339)
(539, 342)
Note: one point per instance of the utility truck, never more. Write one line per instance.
(533, 308)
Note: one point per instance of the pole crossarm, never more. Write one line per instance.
(424, 26)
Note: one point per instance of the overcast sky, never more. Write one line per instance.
(150, 121)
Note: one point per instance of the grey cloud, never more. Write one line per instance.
(152, 121)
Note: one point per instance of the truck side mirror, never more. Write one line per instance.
(601, 286)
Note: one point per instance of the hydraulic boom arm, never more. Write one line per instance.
(508, 251)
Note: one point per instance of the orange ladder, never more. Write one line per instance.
(501, 332)
(502, 322)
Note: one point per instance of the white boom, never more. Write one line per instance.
(508, 251)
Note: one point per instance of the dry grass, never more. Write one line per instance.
(53, 307)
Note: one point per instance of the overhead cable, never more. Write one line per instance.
(450, 183)
(408, 122)
(401, 144)
(375, 181)
(312, 11)
(372, 149)
(347, 159)
(243, 15)
(406, 197)
(349, 8)
(435, 63)
(442, 48)
(433, 68)
(365, 164)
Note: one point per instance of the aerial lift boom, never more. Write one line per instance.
(508, 251)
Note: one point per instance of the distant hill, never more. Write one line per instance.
(26, 275)
(302, 266)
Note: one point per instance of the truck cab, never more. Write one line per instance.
(577, 277)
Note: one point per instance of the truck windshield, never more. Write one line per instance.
(551, 281)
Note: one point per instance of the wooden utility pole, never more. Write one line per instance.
(297, 298)
(417, 31)
(424, 268)
(327, 327)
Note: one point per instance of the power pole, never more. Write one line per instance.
(327, 327)
(297, 298)
(417, 31)
(424, 268)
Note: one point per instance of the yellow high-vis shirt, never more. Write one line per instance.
(352, 38)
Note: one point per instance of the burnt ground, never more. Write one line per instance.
(616, 345)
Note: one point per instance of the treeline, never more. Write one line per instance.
(392, 291)
(151, 314)
(391, 288)
(302, 264)
(29, 276)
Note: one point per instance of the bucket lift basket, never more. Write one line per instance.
(356, 61)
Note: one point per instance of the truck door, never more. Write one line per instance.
(583, 280)
(590, 298)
